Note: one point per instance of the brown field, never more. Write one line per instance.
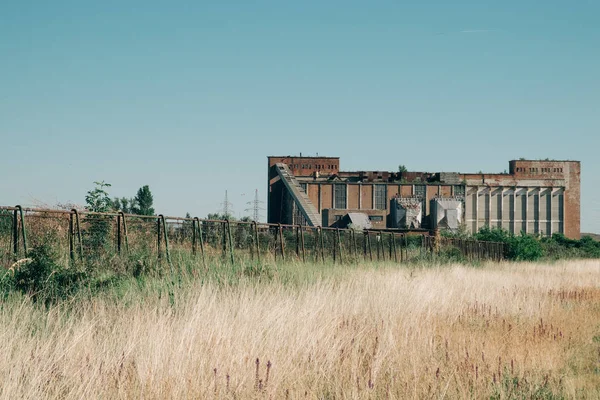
(501, 331)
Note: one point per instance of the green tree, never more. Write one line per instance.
(123, 204)
(98, 200)
(187, 228)
(402, 168)
(143, 202)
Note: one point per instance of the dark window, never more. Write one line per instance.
(337, 217)
(303, 186)
(459, 190)
(420, 191)
(380, 197)
(376, 218)
(339, 196)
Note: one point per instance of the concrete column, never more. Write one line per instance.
(501, 210)
(539, 200)
(360, 196)
(489, 215)
(549, 216)
(526, 209)
(514, 209)
(346, 196)
(476, 209)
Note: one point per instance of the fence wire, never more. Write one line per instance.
(104, 237)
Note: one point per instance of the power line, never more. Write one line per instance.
(256, 207)
(227, 207)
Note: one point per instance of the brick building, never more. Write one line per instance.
(539, 197)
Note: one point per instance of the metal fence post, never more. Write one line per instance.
(339, 242)
(164, 225)
(334, 249)
(78, 227)
(224, 238)
(393, 237)
(194, 237)
(298, 241)
(256, 244)
(23, 230)
(119, 234)
(125, 232)
(199, 237)
(302, 244)
(280, 229)
(230, 241)
(15, 233)
(71, 238)
(320, 244)
(369, 245)
(316, 243)
(158, 237)
(352, 243)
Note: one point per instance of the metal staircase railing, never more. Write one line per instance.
(303, 203)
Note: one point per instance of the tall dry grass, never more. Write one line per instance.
(503, 331)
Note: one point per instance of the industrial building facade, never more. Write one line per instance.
(535, 196)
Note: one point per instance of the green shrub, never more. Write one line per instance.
(519, 248)
(43, 278)
(525, 248)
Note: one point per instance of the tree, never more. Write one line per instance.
(187, 228)
(402, 168)
(123, 204)
(97, 200)
(143, 202)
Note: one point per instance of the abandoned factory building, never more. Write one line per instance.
(535, 196)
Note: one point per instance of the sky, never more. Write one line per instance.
(191, 97)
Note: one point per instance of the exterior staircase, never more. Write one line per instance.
(303, 203)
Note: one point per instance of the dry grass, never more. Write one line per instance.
(504, 331)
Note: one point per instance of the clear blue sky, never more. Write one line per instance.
(191, 97)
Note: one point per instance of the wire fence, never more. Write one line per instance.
(82, 235)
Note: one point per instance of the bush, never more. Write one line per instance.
(525, 248)
(43, 278)
(519, 248)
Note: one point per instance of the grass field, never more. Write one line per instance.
(372, 331)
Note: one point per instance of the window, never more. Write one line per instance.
(337, 217)
(303, 186)
(339, 196)
(420, 191)
(459, 190)
(376, 218)
(380, 197)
